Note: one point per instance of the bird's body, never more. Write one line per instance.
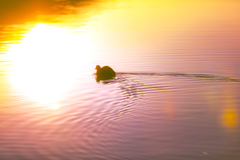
(105, 72)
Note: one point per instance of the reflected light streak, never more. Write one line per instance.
(230, 116)
(47, 61)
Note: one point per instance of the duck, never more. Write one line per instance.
(105, 72)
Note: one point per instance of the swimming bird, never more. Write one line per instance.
(104, 73)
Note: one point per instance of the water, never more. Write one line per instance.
(177, 99)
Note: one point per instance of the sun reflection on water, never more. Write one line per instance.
(47, 61)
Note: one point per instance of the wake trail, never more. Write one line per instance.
(201, 76)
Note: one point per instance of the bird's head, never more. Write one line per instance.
(97, 67)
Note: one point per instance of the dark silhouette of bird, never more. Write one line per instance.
(104, 73)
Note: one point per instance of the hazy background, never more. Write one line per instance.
(167, 29)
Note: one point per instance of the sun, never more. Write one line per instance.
(47, 60)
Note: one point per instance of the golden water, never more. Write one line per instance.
(176, 94)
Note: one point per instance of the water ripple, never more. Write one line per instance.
(113, 120)
(199, 76)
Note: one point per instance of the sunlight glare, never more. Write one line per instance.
(47, 60)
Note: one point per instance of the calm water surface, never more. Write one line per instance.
(176, 95)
